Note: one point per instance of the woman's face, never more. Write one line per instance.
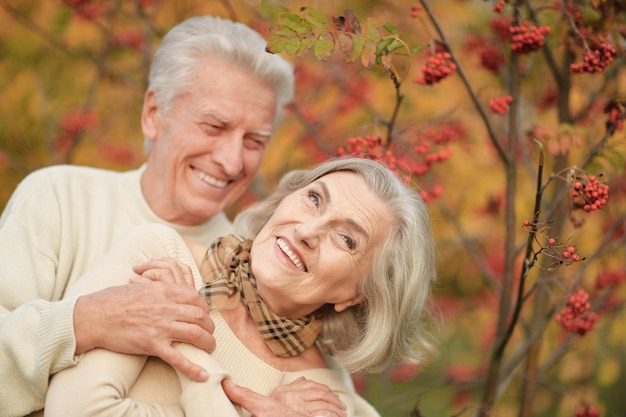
(319, 245)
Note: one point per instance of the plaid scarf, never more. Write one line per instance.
(228, 277)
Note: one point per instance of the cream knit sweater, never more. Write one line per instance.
(102, 384)
(59, 222)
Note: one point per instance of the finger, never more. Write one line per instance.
(322, 408)
(179, 294)
(180, 272)
(161, 275)
(193, 334)
(164, 270)
(184, 365)
(308, 391)
(258, 405)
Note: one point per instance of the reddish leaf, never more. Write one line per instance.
(348, 23)
(368, 57)
(346, 44)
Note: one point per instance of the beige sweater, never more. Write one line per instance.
(58, 224)
(110, 384)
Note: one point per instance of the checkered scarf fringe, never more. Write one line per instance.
(228, 277)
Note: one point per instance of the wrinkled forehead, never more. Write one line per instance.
(350, 196)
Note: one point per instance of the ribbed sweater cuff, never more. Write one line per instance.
(57, 326)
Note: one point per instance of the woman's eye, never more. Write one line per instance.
(314, 198)
(349, 241)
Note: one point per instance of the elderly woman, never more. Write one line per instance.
(338, 260)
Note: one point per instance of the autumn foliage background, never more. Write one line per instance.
(500, 133)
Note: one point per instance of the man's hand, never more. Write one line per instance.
(301, 398)
(146, 318)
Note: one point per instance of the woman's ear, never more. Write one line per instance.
(150, 116)
(357, 299)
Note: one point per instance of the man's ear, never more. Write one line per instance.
(150, 116)
(357, 299)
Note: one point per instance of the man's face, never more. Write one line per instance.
(207, 149)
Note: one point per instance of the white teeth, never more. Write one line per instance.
(210, 180)
(285, 248)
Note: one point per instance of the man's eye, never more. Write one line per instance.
(211, 128)
(254, 144)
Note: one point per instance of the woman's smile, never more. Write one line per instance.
(291, 254)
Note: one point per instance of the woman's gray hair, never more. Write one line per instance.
(390, 325)
(188, 46)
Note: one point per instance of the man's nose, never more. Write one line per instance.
(228, 152)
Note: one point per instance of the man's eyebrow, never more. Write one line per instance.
(350, 221)
(224, 120)
(217, 116)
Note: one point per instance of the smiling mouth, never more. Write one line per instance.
(210, 180)
(282, 244)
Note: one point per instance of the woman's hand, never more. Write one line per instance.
(301, 398)
(167, 270)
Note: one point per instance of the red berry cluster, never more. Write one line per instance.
(415, 10)
(588, 411)
(87, 9)
(596, 59)
(501, 28)
(370, 147)
(570, 253)
(491, 57)
(500, 105)
(436, 69)
(498, 7)
(616, 110)
(527, 38)
(610, 278)
(132, 39)
(590, 196)
(72, 125)
(576, 316)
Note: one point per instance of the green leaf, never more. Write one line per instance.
(315, 18)
(282, 30)
(358, 44)
(295, 22)
(382, 45)
(305, 45)
(275, 44)
(418, 49)
(395, 44)
(391, 28)
(324, 46)
(371, 30)
(292, 46)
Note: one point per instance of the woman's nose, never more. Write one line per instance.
(309, 232)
